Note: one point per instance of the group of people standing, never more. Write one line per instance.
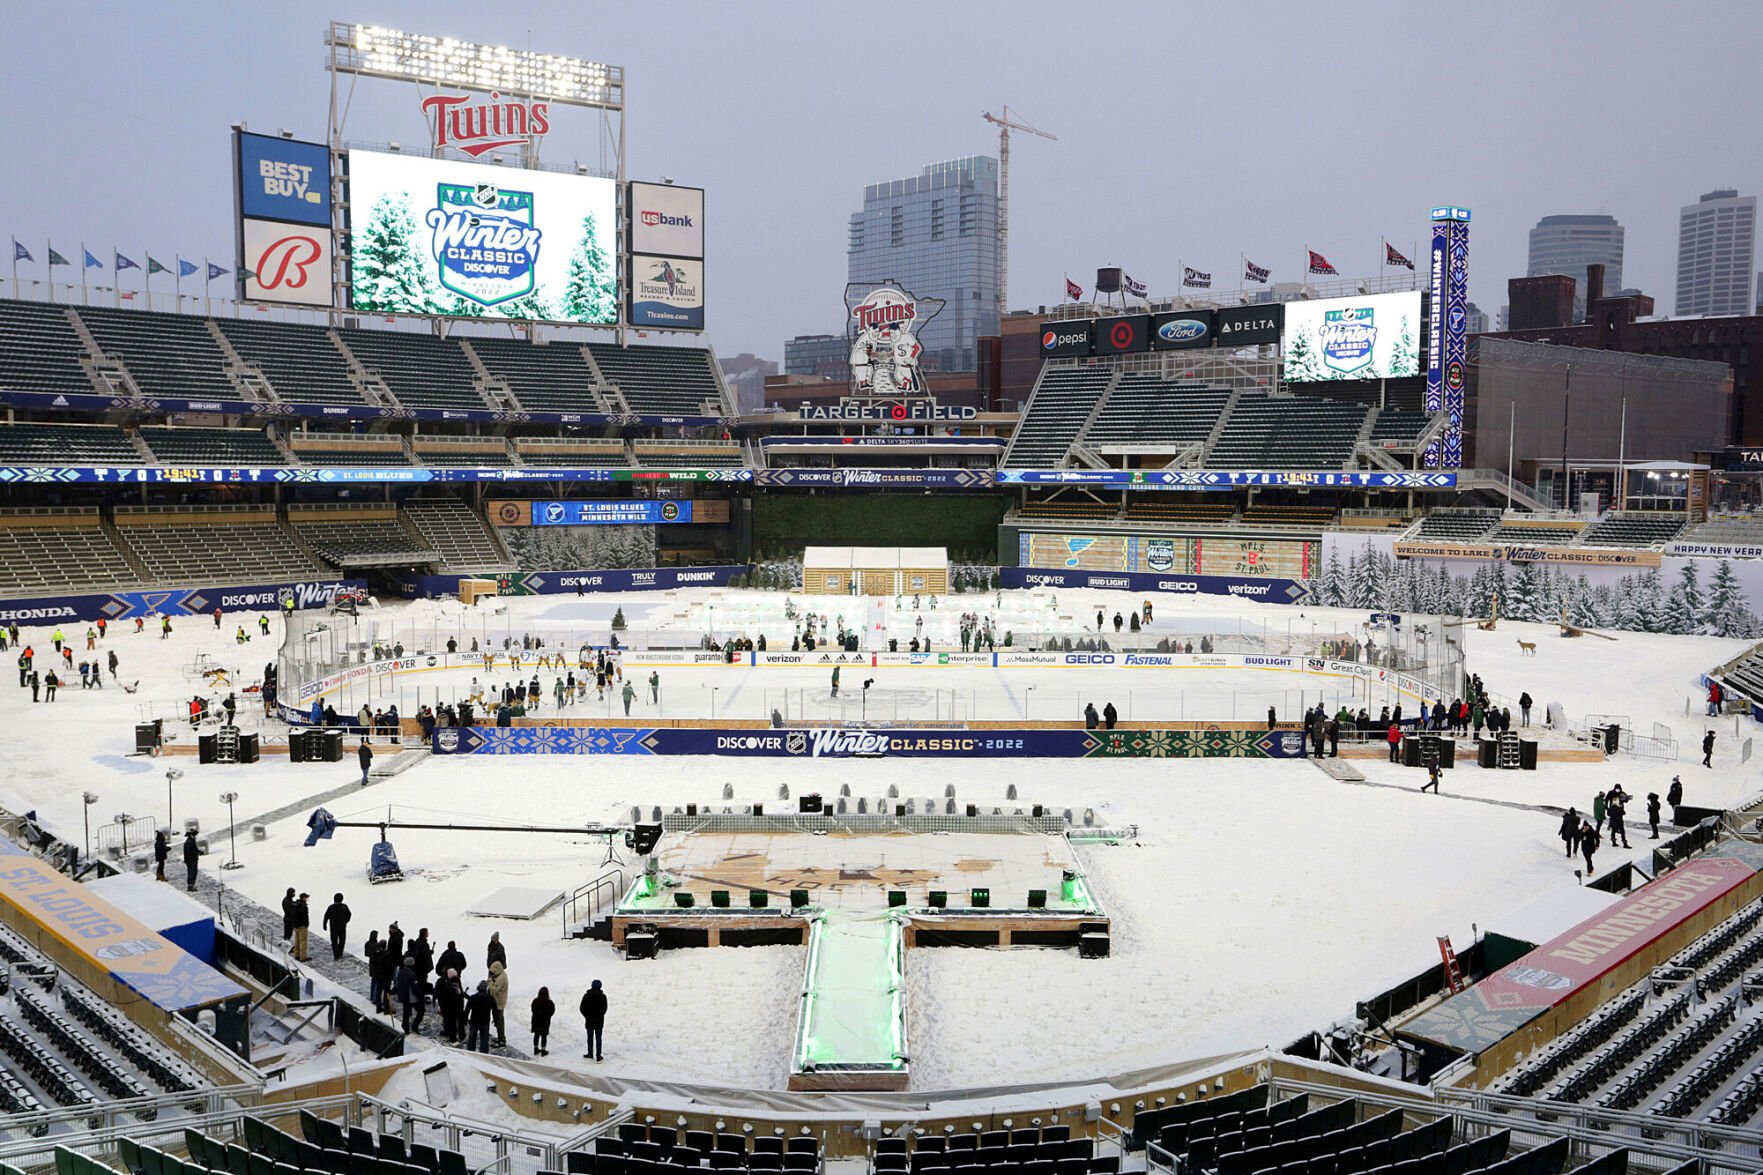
(1610, 812)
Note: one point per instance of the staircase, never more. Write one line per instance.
(1230, 406)
(607, 395)
(496, 393)
(247, 379)
(371, 387)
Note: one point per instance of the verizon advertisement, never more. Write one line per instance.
(666, 220)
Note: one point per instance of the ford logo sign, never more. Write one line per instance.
(1182, 330)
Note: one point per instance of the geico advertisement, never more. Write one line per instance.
(431, 236)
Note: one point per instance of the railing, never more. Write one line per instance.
(94, 1130)
(612, 881)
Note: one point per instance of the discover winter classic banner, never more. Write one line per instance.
(430, 236)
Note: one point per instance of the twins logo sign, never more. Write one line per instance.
(1349, 335)
(485, 242)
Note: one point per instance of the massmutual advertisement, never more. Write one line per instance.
(430, 236)
(1376, 336)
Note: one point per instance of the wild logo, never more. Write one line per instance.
(485, 242)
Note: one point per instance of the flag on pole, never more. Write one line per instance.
(1193, 277)
(1072, 290)
(215, 271)
(19, 252)
(154, 267)
(1393, 258)
(1319, 263)
(186, 268)
(123, 263)
(1253, 272)
(91, 261)
(1136, 289)
(56, 258)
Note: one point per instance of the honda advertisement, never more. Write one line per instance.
(441, 237)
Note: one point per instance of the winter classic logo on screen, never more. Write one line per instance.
(1348, 337)
(485, 242)
(1160, 554)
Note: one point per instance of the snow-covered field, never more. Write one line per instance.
(1260, 901)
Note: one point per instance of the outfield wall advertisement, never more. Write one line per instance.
(1170, 554)
(115, 607)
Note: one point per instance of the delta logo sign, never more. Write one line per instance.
(486, 126)
(486, 244)
(1348, 335)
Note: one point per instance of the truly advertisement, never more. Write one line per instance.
(429, 236)
(666, 219)
(1374, 336)
(615, 512)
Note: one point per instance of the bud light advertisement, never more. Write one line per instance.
(475, 240)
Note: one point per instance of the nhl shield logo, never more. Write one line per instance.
(796, 742)
(1349, 336)
(486, 245)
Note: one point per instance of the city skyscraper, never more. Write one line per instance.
(1568, 243)
(1716, 247)
(936, 234)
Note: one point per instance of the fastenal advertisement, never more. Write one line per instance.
(431, 236)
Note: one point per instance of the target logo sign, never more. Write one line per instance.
(1118, 335)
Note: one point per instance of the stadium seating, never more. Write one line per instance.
(1180, 512)
(1287, 432)
(544, 377)
(1063, 400)
(638, 1149)
(67, 444)
(571, 452)
(1456, 526)
(459, 536)
(359, 536)
(1063, 509)
(302, 363)
(1290, 517)
(461, 451)
(1535, 536)
(1728, 530)
(1678, 1044)
(1143, 411)
(674, 455)
(212, 446)
(1025, 1151)
(1632, 530)
(1398, 427)
(166, 354)
(342, 449)
(205, 544)
(420, 370)
(670, 381)
(44, 550)
(40, 351)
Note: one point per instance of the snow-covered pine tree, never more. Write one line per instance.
(1523, 594)
(592, 291)
(1683, 604)
(1729, 609)
(388, 272)
(1651, 602)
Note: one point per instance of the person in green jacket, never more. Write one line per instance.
(630, 692)
(1598, 810)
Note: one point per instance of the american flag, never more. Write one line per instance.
(1253, 272)
(1073, 291)
(1391, 257)
(1319, 263)
(1193, 277)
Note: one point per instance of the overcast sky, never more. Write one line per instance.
(1190, 131)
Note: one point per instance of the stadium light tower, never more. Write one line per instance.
(1005, 125)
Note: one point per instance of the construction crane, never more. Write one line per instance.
(1005, 125)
